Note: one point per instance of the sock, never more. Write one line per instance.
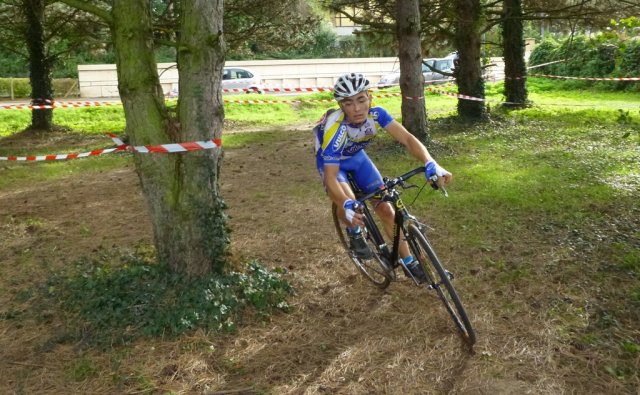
(408, 259)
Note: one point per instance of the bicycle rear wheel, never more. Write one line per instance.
(439, 280)
(375, 269)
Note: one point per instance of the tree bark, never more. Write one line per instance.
(39, 65)
(468, 71)
(515, 69)
(181, 190)
(414, 112)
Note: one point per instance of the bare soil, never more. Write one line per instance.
(343, 336)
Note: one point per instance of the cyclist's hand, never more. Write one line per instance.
(434, 173)
(352, 216)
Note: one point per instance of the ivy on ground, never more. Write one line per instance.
(121, 299)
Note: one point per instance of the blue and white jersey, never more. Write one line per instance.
(338, 140)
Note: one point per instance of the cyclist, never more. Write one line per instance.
(341, 136)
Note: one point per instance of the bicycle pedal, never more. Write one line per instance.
(449, 274)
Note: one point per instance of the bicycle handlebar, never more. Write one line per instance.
(392, 183)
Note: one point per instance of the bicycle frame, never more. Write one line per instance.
(389, 194)
(438, 279)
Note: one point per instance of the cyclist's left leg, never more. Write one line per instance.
(368, 179)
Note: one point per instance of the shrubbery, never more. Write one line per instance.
(119, 297)
(20, 87)
(605, 55)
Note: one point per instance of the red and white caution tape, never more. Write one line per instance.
(281, 89)
(546, 64)
(57, 105)
(121, 146)
(30, 158)
(168, 148)
(277, 101)
(587, 78)
(565, 77)
(459, 96)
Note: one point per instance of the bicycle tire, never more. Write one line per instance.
(375, 269)
(438, 280)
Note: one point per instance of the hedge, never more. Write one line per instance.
(604, 55)
(14, 88)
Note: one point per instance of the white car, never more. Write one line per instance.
(241, 78)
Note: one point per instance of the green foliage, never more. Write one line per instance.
(121, 297)
(605, 55)
(83, 369)
(16, 87)
(626, 25)
(544, 52)
(67, 65)
(631, 347)
(12, 65)
(21, 88)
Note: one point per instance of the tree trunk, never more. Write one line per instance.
(513, 46)
(181, 190)
(414, 112)
(39, 67)
(468, 71)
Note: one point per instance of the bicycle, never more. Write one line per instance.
(380, 269)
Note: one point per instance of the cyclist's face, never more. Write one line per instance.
(356, 108)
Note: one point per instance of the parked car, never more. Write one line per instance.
(442, 64)
(235, 78)
(241, 78)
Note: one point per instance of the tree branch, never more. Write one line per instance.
(90, 8)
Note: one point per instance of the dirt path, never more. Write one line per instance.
(343, 337)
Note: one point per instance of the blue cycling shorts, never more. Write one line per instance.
(364, 172)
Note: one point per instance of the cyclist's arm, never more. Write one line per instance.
(410, 142)
(334, 189)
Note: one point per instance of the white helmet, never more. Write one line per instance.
(350, 85)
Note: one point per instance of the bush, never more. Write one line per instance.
(629, 66)
(120, 298)
(605, 55)
(544, 52)
(14, 88)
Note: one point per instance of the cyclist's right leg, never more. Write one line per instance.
(368, 179)
(357, 242)
(344, 184)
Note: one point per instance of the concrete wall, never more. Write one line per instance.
(101, 80)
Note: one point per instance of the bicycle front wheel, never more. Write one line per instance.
(439, 280)
(374, 269)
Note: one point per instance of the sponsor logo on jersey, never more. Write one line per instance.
(355, 147)
(339, 139)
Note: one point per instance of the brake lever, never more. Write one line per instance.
(403, 184)
(433, 180)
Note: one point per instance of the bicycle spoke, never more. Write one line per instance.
(440, 281)
(374, 269)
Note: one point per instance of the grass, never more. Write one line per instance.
(543, 210)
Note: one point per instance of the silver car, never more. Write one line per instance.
(240, 78)
(443, 64)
